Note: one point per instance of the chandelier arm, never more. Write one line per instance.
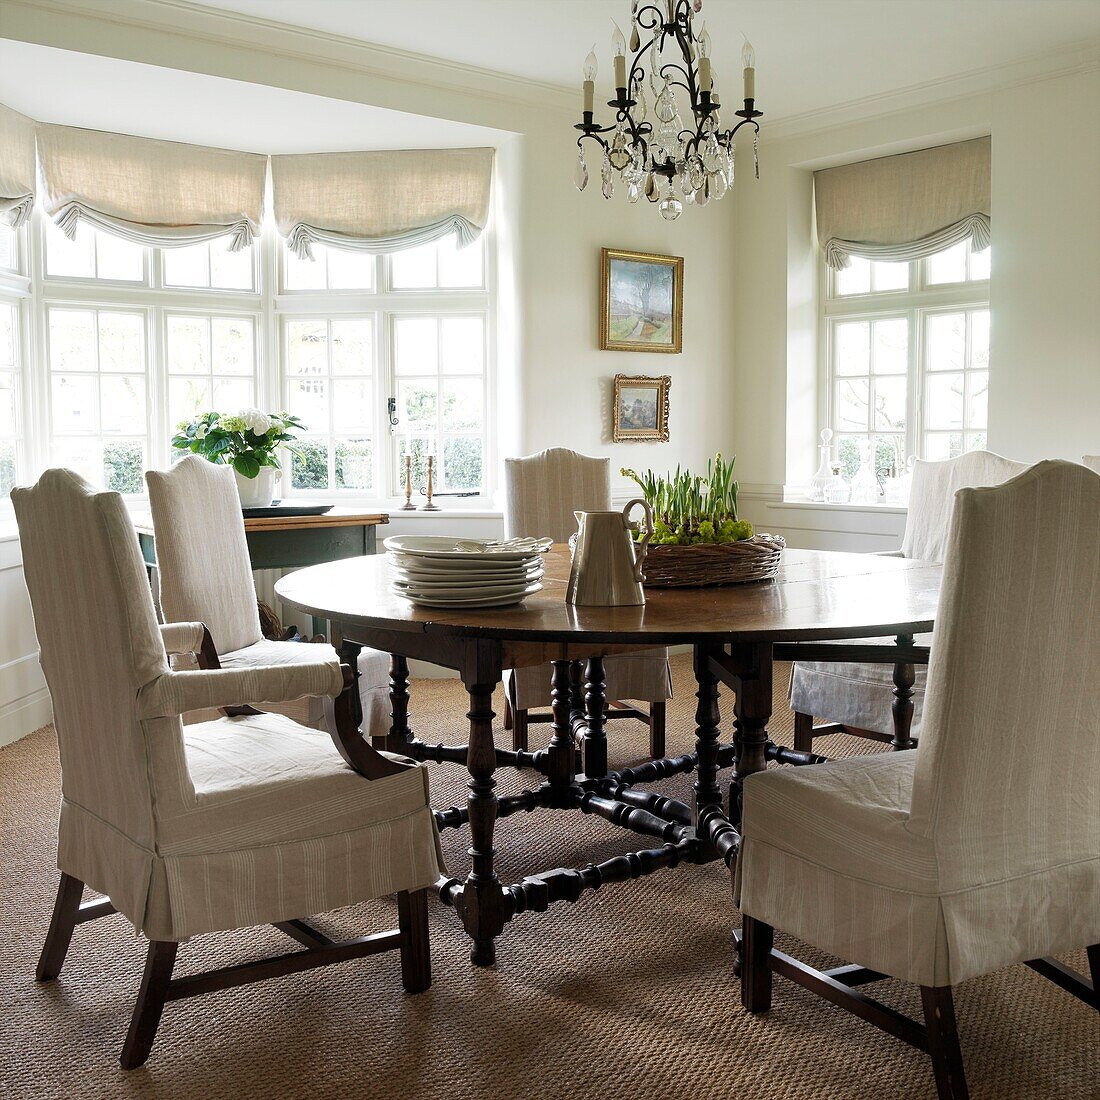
(745, 122)
(655, 20)
(637, 69)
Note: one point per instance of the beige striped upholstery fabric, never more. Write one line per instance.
(1092, 462)
(981, 847)
(206, 575)
(240, 821)
(860, 695)
(182, 637)
(541, 493)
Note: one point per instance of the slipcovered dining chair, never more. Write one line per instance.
(205, 576)
(980, 848)
(247, 820)
(541, 493)
(884, 702)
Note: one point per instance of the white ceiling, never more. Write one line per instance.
(103, 93)
(811, 54)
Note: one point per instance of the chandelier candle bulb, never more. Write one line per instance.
(591, 67)
(748, 61)
(618, 44)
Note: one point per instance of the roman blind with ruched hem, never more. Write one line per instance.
(154, 193)
(904, 207)
(381, 201)
(16, 167)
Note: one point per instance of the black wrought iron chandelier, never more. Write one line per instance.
(667, 160)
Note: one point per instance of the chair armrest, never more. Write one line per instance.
(182, 637)
(176, 693)
(888, 554)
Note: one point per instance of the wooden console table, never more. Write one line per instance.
(288, 542)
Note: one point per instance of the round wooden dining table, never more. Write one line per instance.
(819, 607)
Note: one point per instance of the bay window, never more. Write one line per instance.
(377, 354)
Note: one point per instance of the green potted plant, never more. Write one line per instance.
(249, 441)
(697, 538)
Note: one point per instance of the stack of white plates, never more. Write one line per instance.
(437, 571)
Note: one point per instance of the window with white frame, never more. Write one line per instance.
(386, 356)
(9, 396)
(376, 354)
(9, 251)
(907, 357)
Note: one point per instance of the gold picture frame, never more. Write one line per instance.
(641, 301)
(640, 408)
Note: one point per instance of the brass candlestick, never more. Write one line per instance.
(408, 506)
(429, 506)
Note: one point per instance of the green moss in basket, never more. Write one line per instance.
(689, 510)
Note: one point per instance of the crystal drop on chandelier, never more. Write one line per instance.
(580, 172)
(607, 180)
(670, 209)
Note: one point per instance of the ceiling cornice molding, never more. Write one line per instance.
(282, 40)
(1079, 58)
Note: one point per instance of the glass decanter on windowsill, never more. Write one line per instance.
(824, 468)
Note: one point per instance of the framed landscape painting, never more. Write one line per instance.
(641, 408)
(641, 301)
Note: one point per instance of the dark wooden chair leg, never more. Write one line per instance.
(943, 1042)
(657, 719)
(803, 732)
(150, 1003)
(60, 933)
(507, 713)
(756, 975)
(519, 730)
(416, 959)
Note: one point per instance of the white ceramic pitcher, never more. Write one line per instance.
(607, 563)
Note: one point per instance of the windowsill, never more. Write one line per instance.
(396, 512)
(821, 506)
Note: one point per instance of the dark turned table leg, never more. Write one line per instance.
(751, 666)
(594, 740)
(400, 735)
(707, 721)
(562, 752)
(904, 678)
(482, 904)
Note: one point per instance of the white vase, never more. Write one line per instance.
(258, 491)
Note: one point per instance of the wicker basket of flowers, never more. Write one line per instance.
(698, 541)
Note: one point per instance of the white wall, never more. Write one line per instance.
(24, 701)
(1044, 391)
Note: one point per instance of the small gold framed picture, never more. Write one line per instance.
(641, 301)
(641, 408)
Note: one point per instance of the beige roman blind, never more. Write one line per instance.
(381, 201)
(157, 193)
(904, 207)
(16, 167)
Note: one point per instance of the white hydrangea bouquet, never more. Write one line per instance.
(248, 441)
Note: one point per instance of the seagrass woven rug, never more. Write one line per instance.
(627, 994)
